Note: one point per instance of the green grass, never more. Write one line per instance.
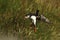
(12, 19)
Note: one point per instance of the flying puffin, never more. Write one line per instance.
(35, 17)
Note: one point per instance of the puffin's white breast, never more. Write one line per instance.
(33, 19)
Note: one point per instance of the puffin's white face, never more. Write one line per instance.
(27, 16)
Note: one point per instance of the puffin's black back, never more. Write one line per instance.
(30, 14)
(33, 14)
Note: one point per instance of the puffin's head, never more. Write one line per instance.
(27, 16)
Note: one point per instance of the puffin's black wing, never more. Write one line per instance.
(37, 11)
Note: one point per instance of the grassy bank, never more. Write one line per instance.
(12, 19)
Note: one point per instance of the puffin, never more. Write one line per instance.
(34, 17)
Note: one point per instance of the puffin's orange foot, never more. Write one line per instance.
(35, 30)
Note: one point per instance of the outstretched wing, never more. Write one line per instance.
(43, 18)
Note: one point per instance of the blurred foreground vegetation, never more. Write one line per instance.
(12, 19)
